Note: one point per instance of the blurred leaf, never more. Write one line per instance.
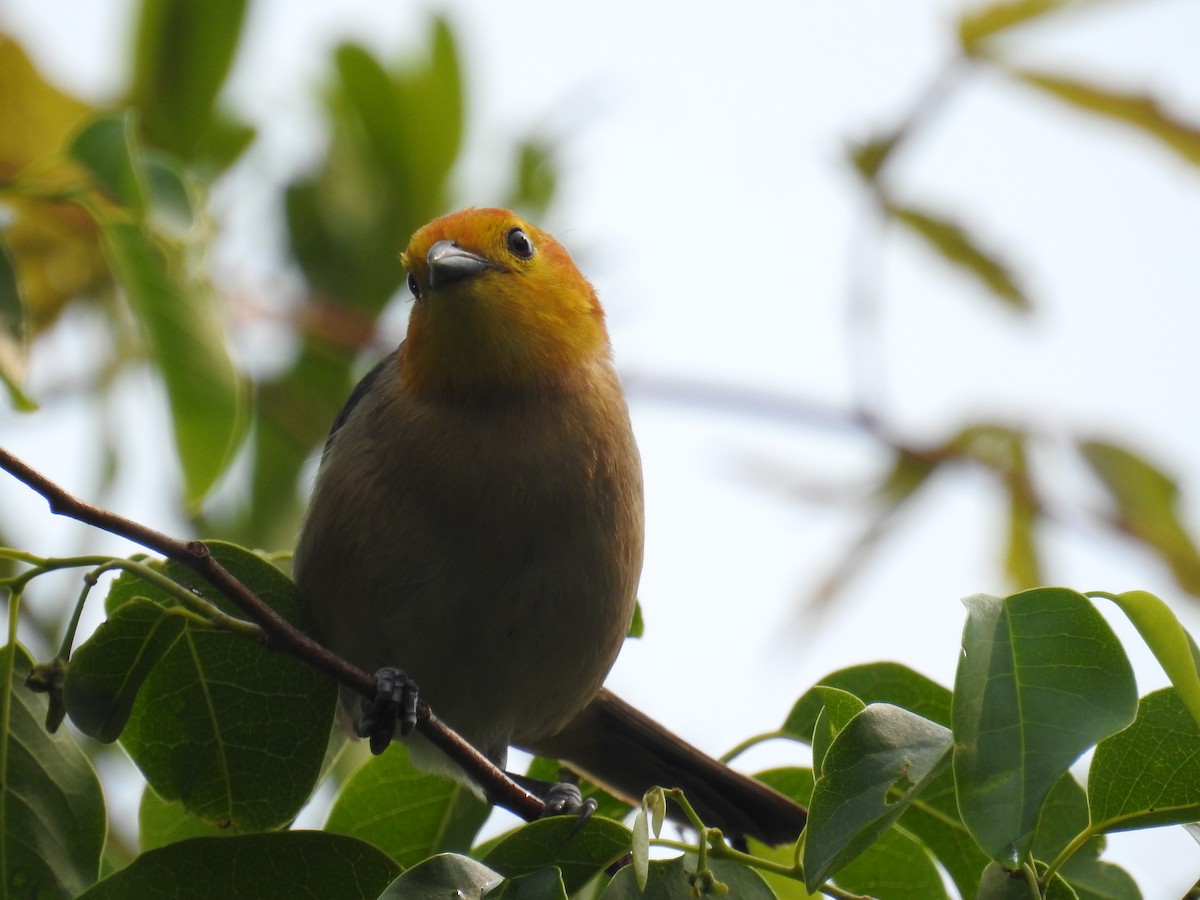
(1022, 563)
(1170, 642)
(104, 146)
(536, 178)
(1141, 111)
(957, 246)
(1148, 774)
(874, 768)
(404, 812)
(53, 248)
(52, 824)
(14, 333)
(235, 732)
(187, 342)
(579, 852)
(870, 156)
(171, 208)
(671, 879)
(1147, 507)
(161, 823)
(37, 116)
(981, 22)
(293, 864)
(108, 669)
(883, 682)
(1042, 677)
(183, 55)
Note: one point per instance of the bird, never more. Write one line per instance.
(476, 523)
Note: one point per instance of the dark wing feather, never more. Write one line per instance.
(356, 395)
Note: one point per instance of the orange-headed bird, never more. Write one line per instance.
(477, 523)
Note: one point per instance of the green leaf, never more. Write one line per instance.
(536, 178)
(1064, 815)
(406, 813)
(580, 854)
(1042, 677)
(183, 55)
(897, 867)
(235, 732)
(161, 823)
(671, 879)
(52, 819)
(869, 156)
(957, 246)
(1148, 774)
(107, 670)
(171, 208)
(875, 767)
(934, 819)
(1022, 563)
(545, 884)
(637, 625)
(14, 333)
(1147, 507)
(1167, 639)
(442, 876)
(187, 343)
(1141, 111)
(105, 147)
(299, 865)
(840, 707)
(883, 682)
(1092, 879)
(978, 23)
(796, 783)
(999, 883)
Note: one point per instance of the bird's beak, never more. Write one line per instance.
(449, 262)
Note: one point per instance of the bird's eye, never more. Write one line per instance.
(413, 286)
(519, 244)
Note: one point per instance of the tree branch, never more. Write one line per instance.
(279, 634)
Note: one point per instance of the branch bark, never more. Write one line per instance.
(278, 633)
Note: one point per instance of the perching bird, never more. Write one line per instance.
(477, 523)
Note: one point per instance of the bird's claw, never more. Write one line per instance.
(394, 703)
(565, 799)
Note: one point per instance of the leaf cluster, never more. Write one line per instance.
(909, 779)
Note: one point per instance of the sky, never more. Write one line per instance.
(706, 194)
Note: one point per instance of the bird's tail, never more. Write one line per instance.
(627, 753)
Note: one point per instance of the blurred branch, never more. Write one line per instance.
(278, 634)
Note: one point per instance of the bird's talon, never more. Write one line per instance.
(565, 799)
(394, 703)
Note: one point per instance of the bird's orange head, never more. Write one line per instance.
(499, 306)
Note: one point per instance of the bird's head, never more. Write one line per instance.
(499, 306)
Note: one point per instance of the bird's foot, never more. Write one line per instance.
(565, 799)
(394, 703)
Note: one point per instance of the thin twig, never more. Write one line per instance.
(280, 634)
